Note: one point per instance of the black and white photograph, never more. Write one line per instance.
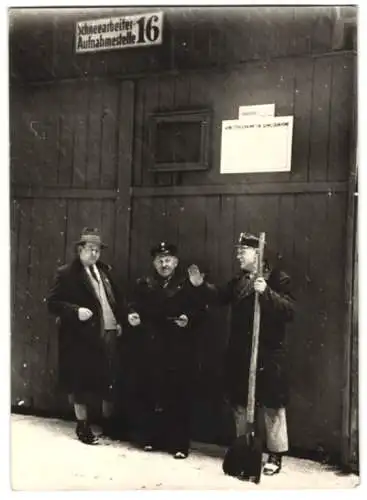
(184, 257)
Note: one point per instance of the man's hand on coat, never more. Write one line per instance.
(260, 285)
(134, 319)
(84, 313)
(182, 321)
(195, 276)
(118, 330)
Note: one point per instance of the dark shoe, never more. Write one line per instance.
(273, 465)
(85, 433)
(148, 447)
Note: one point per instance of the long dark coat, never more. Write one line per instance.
(277, 308)
(82, 350)
(165, 350)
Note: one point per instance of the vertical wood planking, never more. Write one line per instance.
(53, 237)
(300, 37)
(340, 119)
(280, 21)
(124, 178)
(301, 339)
(151, 105)
(322, 29)
(47, 148)
(93, 154)
(23, 300)
(15, 218)
(320, 120)
(166, 102)
(16, 132)
(192, 229)
(109, 133)
(285, 228)
(16, 345)
(201, 96)
(25, 134)
(213, 235)
(40, 112)
(139, 133)
(173, 207)
(66, 94)
(140, 237)
(228, 237)
(80, 133)
(316, 272)
(181, 101)
(303, 96)
(158, 226)
(336, 310)
(108, 227)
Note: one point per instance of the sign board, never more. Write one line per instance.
(119, 32)
(257, 144)
(256, 110)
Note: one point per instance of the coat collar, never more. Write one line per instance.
(79, 269)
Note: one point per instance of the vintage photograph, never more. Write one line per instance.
(184, 247)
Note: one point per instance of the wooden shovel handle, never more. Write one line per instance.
(255, 339)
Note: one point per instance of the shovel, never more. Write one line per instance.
(243, 459)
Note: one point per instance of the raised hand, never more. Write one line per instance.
(195, 276)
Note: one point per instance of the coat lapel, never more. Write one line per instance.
(84, 278)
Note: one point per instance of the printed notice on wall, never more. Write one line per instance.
(119, 32)
(257, 144)
(256, 110)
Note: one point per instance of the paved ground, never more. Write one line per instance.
(46, 456)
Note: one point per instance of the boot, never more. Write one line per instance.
(85, 433)
(273, 465)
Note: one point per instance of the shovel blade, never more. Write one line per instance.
(243, 459)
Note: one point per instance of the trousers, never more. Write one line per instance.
(272, 423)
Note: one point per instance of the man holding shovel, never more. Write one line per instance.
(276, 309)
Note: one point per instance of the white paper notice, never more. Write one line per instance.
(256, 110)
(257, 144)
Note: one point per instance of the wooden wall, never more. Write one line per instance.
(194, 37)
(71, 157)
(79, 154)
(316, 91)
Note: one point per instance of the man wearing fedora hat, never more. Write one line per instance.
(277, 308)
(164, 311)
(90, 312)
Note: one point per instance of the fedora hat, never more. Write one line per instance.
(91, 235)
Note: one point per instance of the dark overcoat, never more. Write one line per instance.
(165, 350)
(82, 349)
(277, 309)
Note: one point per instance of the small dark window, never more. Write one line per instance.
(179, 141)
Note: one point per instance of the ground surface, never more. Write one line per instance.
(46, 456)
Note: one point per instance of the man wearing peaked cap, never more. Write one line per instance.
(277, 308)
(163, 248)
(90, 313)
(247, 240)
(164, 311)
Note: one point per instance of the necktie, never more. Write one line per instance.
(93, 273)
